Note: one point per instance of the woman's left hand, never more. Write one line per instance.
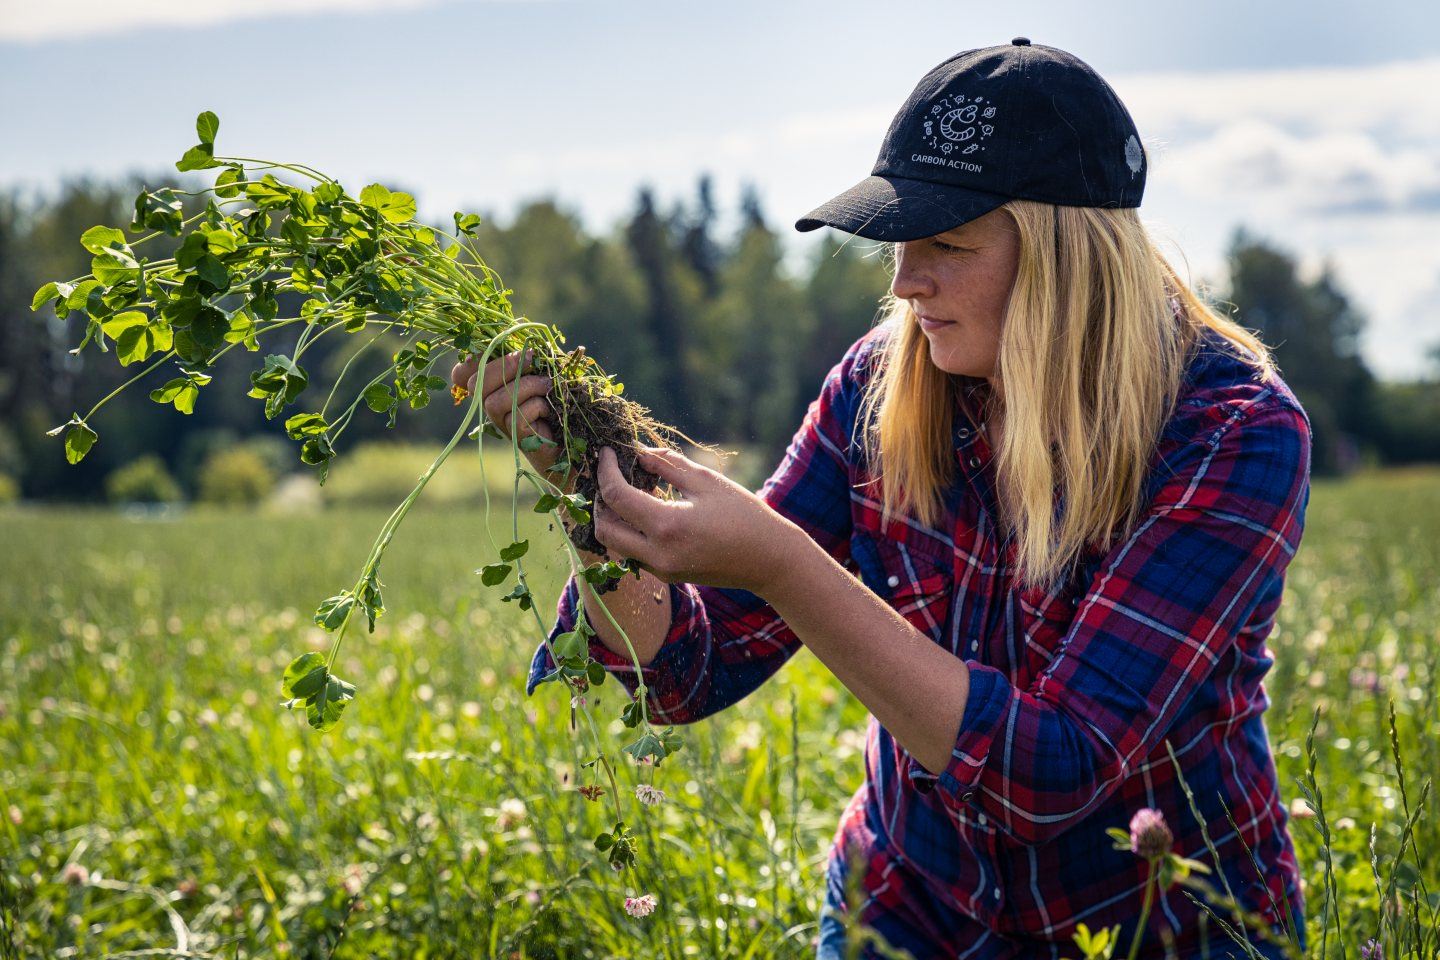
(719, 534)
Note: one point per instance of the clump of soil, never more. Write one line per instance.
(587, 407)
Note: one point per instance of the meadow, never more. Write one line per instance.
(155, 800)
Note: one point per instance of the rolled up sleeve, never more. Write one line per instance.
(671, 677)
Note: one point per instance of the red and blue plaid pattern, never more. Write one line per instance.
(1074, 692)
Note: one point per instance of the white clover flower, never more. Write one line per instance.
(512, 811)
(640, 906)
(577, 701)
(649, 795)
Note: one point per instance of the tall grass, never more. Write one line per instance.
(155, 799)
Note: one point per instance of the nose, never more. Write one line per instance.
(911, 282)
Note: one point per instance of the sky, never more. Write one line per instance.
(1314, 125)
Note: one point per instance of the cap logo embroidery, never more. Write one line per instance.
(956, 126)
(957, 123)
(1134, 157)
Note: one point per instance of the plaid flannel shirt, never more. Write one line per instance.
(1074, 692)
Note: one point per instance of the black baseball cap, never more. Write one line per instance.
(1019, 120)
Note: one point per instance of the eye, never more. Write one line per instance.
(947, 247)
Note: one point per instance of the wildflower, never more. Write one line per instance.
(354, 881)
(1301, 810)
(592, 792)
(1367, 681)
(649, 795)
(1150, 837)
(187, 888)
(647, 760)
(1372, 950)
(75, 875)
(577, 701)
(640, 906)
(16, 817)
(511, 811)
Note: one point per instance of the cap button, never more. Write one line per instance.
(1021, 41)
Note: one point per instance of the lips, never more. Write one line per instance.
(929, 323)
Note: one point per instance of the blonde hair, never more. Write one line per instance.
(1092, 354)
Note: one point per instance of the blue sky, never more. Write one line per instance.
(1315, 124)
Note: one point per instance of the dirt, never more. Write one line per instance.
(605, 419)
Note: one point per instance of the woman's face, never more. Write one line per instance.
(958, 283)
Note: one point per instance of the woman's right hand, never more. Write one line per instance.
(500, 389)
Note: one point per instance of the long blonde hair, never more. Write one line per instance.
(1092, 354)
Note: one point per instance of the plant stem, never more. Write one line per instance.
(1144, 910)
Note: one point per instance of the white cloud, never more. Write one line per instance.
(1397, 99)
(1328, 172)
(29, 21)
(1340, 163)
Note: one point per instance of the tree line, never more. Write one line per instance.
(715, 334)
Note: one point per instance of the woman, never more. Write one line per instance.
(1070, 493)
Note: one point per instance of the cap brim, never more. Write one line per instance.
(898, 208)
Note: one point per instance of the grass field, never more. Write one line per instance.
(156, 801)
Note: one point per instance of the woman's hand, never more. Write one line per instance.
(719, 534)
(499, 387)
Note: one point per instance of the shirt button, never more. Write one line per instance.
(975, 462)
(974, 645)
(980, 819)
(893, 581)
(997, 893)
(964, 433)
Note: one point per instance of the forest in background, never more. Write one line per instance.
(713, 333)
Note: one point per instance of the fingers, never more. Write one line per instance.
(669, 465)
(635, 507)
(616, 534)
(523, 392)
(502, 371)
(532, 415)
(463, 373)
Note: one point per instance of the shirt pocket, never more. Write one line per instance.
(916, 580)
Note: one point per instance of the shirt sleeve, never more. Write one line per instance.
(1162, 608)
(723, 643)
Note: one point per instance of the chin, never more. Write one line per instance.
(956, 360)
